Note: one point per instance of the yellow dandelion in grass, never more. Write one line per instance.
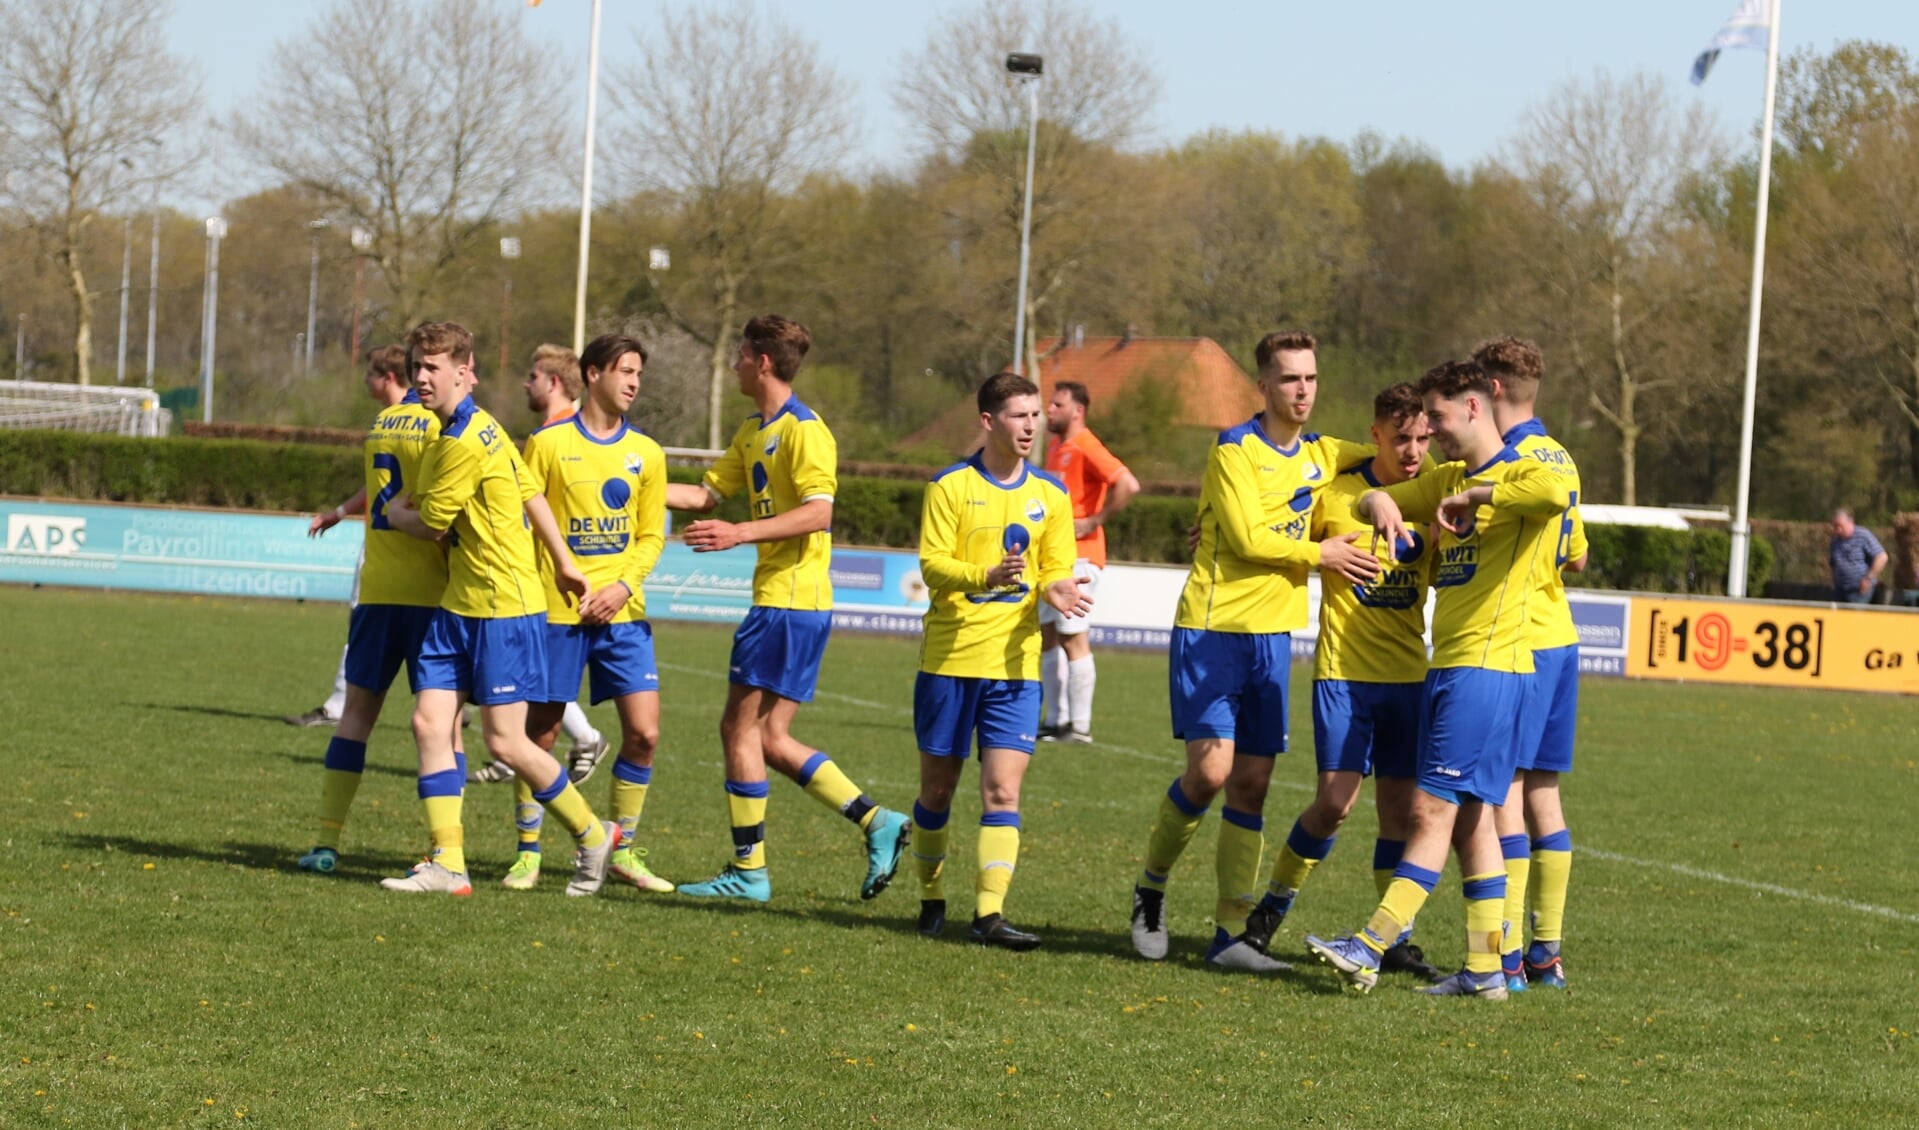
(1011, 1070)
(912, 1028)
(146, 867)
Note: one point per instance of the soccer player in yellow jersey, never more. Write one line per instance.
(606, 484)
(1495, 508)
(1550, 711)
(996, 538)
(1369, 669)
(553, 387)
(785, 458)
(487, 641)
(1231, 655)
(398, 587)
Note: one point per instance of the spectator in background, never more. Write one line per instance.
(1855, 559)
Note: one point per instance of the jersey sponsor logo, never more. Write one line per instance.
(49, 535)
(1395, 589)
(1410, 548)
(616, 493)
(597, 537)
(401, 427)
(1035, 510)
(1457, 564)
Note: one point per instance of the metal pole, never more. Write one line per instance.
(586, 177)
(20, 351)
(506, 324)
(1741, 527)
(216, 227)
(126, 288)
(313, 299)
(1026, 229)
(153, 293)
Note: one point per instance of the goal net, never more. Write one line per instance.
(78, 408)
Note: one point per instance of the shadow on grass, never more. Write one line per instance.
(256, 857)
(410, 772)
(210, 711)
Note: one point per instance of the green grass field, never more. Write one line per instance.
(1742, 933)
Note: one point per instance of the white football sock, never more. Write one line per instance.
(1052, 681)
(1079, 692)
(335, 704)
(577, 728)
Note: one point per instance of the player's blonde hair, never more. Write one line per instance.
(450, 338)
(558, 362)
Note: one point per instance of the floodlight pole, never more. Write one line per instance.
(126, 289)
(586, 181)
(1741, 525)
(313, 292)
(209, 316)
(1031, 78)
(153, 290)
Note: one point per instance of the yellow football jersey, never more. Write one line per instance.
(1552, 618)
(1376, 632)
(1255, 518)
(609, 498)
(476, 487)
(968, 522)
(399, 568)
(1483, 579)
(786, 461)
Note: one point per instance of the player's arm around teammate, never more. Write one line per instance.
(487, 640)
(995, 537)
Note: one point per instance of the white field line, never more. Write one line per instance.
(1610, 857)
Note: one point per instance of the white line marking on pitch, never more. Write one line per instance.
(1753, 885)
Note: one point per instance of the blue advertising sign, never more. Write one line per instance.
(223, 552)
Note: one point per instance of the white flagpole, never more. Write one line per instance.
(586, 182)
(1741, 527)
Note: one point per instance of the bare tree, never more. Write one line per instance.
(724, 111)
(423, 121)
(1099, 84)
(1096, 96)
(1605, 163)
(87, 87)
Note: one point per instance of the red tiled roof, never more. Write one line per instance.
(1213, 391)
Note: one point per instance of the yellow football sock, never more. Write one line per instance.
(528, 816)
(1483, 918)
(1382, 879)
(1397, 908)
(824, 782)
(449, 837)
(998, 855)
(565, 802)
(1552, 871)
(1173, 828)
(929, 854)
(746, 811)
(345, 761)
(630, 783)
(1241, 845)
(1513, 910)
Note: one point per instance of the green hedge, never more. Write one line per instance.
(1645, 559)
(302, 478)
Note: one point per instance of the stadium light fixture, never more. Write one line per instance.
(1027, 68)
(509, 251)
(362, 241)
(659, 259)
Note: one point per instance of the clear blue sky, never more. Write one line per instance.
(1454, 75)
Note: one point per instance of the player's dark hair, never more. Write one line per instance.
(1397, 404)
(781, 339)
(1512, 361)
(1077, 391)
(604, 352)
(1002, 387)
(450, 338)
(1274, 344)
(390, 361)
(1454, 379)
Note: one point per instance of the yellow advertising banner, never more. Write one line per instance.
(1774, 645)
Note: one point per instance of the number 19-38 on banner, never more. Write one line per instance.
(1707, 643)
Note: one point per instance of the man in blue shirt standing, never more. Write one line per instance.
(1855, 558)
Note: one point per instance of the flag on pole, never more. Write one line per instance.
(1748, 27)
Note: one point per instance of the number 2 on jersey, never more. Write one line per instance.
(377, 511)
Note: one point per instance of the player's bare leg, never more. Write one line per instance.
(741, 744)
(1516, 852)
(1552, 860)
(639, 715)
